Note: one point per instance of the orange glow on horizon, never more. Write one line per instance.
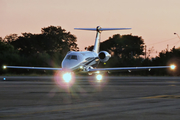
(155, 21)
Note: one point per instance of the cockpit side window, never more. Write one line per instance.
(74, 57)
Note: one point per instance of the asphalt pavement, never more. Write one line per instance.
(127, 98)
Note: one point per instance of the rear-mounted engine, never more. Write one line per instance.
(104, 56)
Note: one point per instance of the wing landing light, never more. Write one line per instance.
(67, 77)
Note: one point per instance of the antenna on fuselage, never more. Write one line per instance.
(99, 30)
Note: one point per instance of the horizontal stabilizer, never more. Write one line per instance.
(92, 29)
(101, 29)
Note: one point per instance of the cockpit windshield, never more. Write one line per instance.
(71, 57)
(74, 57)
(68, 57)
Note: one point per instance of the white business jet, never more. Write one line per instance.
(87, 61)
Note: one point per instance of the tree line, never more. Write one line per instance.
(48, 49)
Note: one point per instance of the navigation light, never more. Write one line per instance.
(4, 67)
(172, 67)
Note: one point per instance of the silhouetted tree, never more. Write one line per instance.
(10, 38)
(1, 39)
(168, 58)
(8, 55)
(51, 40)
(125, 50)
(45, 49)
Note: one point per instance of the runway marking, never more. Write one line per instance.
(46, 111)
(164, 96)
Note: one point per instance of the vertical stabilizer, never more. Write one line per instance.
(97, 40)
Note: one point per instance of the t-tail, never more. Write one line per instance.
(99, 30)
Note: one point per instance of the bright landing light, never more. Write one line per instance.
(99, 77)
(67, 77)
(172, 67)
(81, 67)
(97, 72)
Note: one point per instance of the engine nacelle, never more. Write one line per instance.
(104, 56)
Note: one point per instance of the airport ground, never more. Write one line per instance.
(126, 98)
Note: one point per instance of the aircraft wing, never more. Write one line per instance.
(130, 68)
(37, 68)
(96, 69)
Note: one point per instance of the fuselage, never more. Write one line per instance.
(80, 60)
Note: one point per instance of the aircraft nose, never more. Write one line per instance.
(67, 64)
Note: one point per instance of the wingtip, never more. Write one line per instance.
(173, 67)
(4, 67)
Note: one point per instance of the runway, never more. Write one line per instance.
(127, 98)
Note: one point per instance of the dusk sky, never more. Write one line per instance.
(155, 20)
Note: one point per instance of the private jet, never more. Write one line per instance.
(87, 61)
